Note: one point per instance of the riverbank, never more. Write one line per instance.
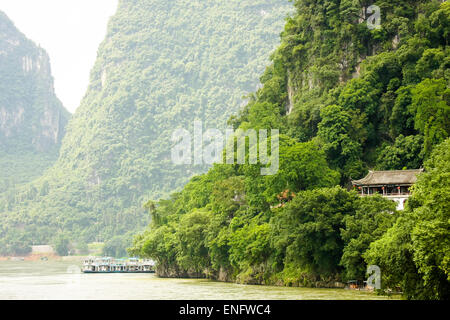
(303, 280)
(55, 280)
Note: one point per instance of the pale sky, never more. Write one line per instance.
(70, 31)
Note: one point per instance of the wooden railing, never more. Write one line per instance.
(387, 194)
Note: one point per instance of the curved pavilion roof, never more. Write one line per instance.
(393, 177)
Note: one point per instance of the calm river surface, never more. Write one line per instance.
(58, 281)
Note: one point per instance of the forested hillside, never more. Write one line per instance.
(346, 98)
(162, 65)
(32, 119)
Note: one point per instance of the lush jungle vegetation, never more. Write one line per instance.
(162, 65)
(346, 98)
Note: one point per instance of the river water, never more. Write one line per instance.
(52, 280)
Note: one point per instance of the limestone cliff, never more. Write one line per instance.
(32, 119)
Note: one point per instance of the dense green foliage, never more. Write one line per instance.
(372, 218)
(415, 253)
(345, 98)
(117, 246)
(161, 66)
(62, 245)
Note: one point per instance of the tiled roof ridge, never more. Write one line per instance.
(375, 175)
(373, 171)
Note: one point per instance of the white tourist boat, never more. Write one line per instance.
(111, 265)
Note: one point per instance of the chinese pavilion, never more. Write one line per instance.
(394, 185)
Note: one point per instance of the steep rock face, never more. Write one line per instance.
(31, 117)
(162, 66)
